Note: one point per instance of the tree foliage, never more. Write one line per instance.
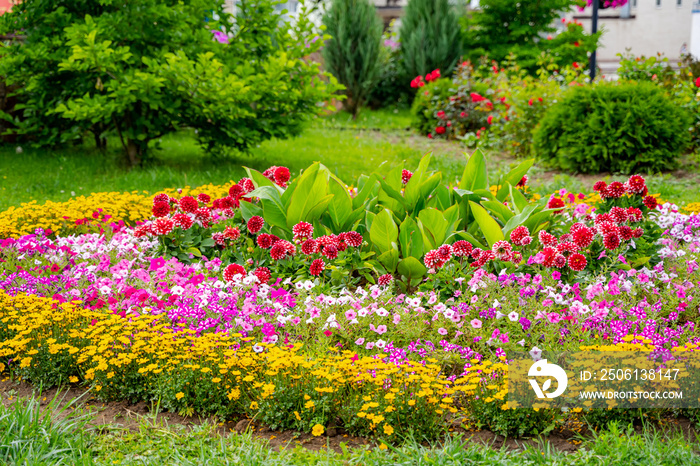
(352, 54)
(430, 38)
(144, 68)
(526, 29)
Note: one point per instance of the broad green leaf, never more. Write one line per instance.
(475, 175)
(274, 215)
(194, 251)
(389, 259)
(312, 187)
(340, 207)
(410, 239)
(318, 209)
(248, 210)
(370, 187)
(441, 199)
(456, 236)
(391, 198)
(513, 177)
(413, 187)
(518, 220)
(383, 233)
(269, 193)
(518, 199)
(498, 209)
(369, 219)
(434, 226)
(488, 226)
(411, 268)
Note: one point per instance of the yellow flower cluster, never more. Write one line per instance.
(116, 354)
(60, 217)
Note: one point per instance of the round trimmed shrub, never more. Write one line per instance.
(613, 127)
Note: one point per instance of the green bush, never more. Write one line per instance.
(145, 68)
(352, 54)
(609, 127)
(430, 38)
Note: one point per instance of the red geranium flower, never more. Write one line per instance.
(440, 130)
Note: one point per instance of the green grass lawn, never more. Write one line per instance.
(55, 434)
(375, 141)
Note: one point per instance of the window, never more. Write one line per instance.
(658, 3)
(679, 2)
(634, 3)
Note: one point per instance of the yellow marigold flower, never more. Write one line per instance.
(411, 402)
(383, 446)
(318, 430)
(388, 430)
(71, 379)
(179, 395)
(296, 414)
(309, 404)
(253, 405)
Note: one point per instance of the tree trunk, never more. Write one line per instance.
(134, 151)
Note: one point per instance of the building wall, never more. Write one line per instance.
(653, 26)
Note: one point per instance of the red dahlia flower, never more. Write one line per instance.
(462, 248)
(317, 267)
(577, 262)
(162, 226)
(635, 184)
(282, 175)
(583, 237)
(330, 251)
(503, 250)
(189, 204)
(353, 239)
(236, 191)
(161, 209)
(600, 186)
(385, 280)
(247, 185)
(263, 274)
(611, 241)
(615, 190)
(162, 197)
(650, 202)
(555, 203)
(308, 247)
(302, 231)
(255, 224)
(204, 198)
(183, 221)
(232, 233)
(232, 270)
(547, 239)
(445, 252)
(266, 240)
(520, 236)
(431, 259)
(626, 233)
(618, 214)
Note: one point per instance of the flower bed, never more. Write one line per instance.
(384, 310)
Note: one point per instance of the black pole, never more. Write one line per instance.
(594, 29)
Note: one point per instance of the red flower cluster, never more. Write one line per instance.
(417, 82)
(255, 224)
(232, 270)
(405, 176)
(302, 231)
(635, 185)
(432, 76)
(278, 175)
